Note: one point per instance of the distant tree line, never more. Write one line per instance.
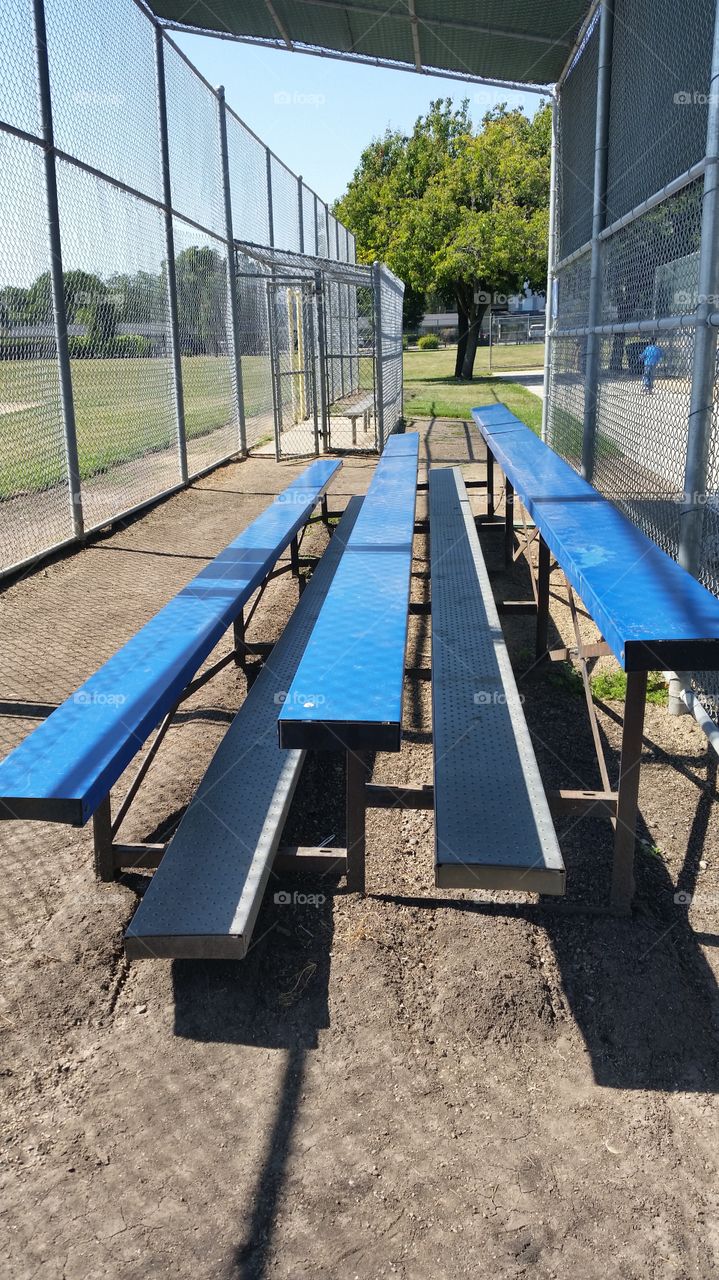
(136, 301)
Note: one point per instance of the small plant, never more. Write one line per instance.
(611, 686)
(428, 342)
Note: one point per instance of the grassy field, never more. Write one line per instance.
(523, 355)
(123, 408)
(430, 389)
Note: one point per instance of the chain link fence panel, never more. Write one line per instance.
(649, 306)
(132, 428)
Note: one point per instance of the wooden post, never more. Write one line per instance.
(542, 643)
(102, 837)
(357, 776)
(238, 633)
(490, 484)
(628, 796)
(508, 525)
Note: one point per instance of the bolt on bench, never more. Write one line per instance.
(651, 613)
(64, 770)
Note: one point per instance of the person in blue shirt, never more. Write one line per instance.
(651, 357)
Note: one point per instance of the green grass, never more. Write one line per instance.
(123, 409)
(431, 390)
(607, 686)
(525, 355)
(611, 686)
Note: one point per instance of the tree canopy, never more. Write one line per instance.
(462, 213)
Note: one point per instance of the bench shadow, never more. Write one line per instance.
(640, 989)
(277, 997)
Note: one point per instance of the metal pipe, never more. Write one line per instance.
(234, 310)
(270, 212)
(703, 719)
(322, 357)
(300, 215)
(551, 253)
(379, 371)
(604, 72)
(365, 60)
(671, 189)
(274, 367)
(581, 37)
(667, 324)
(170, 257)
(56, 273)
(705, 343)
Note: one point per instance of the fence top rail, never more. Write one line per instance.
(652, 613)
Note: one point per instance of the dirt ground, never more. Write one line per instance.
(414, 1084)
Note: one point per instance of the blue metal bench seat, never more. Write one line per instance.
(347, 692)
(204, 897)
(493, 827)
(65, 769)
(651, 613)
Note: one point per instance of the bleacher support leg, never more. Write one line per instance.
(238, 632)
(325, 510)
(490, 485)
(628, 798)
(357, 776)
(102, 837)
(508, 525)
(542, 643)
(295, 563)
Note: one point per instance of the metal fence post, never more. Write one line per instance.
(300, 215)
(379, 371)
(56, 273)
(601, 137)
(235, 340)
(551, 259)
(705, 340)
(270, 213)
(170, 255)
(322, 355)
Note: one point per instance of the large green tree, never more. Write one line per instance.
(460, 212)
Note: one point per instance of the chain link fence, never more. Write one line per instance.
(134, 347)
(330, 356)
(632, 347)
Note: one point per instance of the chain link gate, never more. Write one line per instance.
(291, 308)
(334, 338)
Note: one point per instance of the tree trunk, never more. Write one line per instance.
(475, 324)
(462, 334)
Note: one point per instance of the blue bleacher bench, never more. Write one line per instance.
(204, 897)
(66, 767)
(651, 613)
(347, 692)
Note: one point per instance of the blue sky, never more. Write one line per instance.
(317, 114)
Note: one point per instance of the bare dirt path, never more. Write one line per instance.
(416, 1084)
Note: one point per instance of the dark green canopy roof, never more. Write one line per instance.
(527, 41)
